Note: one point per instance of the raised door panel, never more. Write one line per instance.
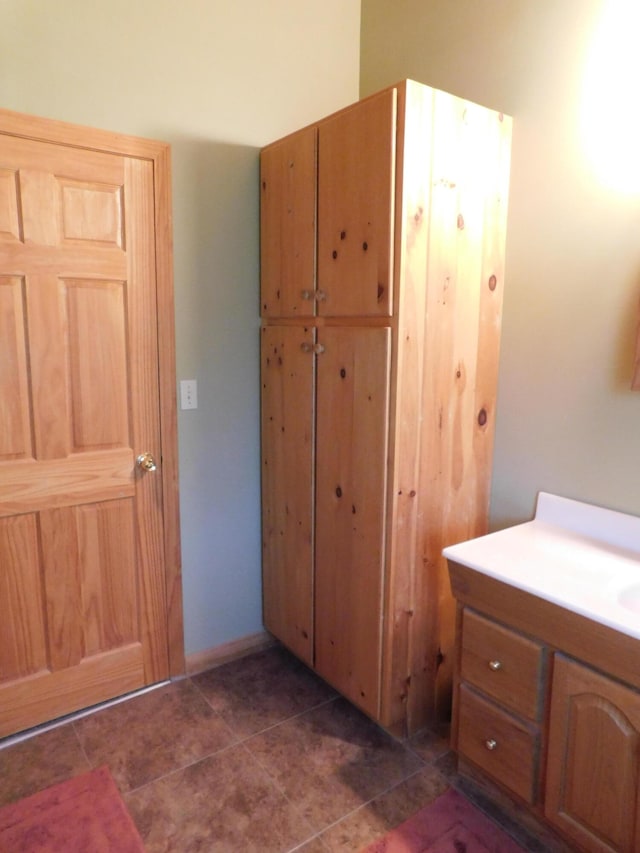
(288, 226)
(352, 443)
(82, 571)
(593, 767)
(356, 180)
(287, 376)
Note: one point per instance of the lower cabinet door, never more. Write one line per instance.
(351, 481)
(287, 371)
(593, 768)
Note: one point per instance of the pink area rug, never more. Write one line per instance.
(85, 814)
(450, 824)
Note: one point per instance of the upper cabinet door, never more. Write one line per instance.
(356, 171)
(288, 226)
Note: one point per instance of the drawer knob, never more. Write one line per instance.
(495, 665)
(491, 744)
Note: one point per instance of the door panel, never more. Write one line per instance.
(287, 372)
(15, 435)
(352, 440)
(82, 573)
(593, 766)
(288, 226)
(356, 180)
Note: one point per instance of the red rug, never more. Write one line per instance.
(450, 824)
(85, 814)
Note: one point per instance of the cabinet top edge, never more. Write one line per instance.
(402, 88)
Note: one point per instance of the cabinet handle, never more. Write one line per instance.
(495, 665)
(317, 295)
(313, 348)
(491, 744)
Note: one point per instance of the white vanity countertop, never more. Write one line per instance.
(581, 557)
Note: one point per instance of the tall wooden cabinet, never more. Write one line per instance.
(382, 273)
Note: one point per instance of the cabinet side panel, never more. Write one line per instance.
(287, 486)
(288, 226)
(405, 571)
(352, 430)
(462, 336)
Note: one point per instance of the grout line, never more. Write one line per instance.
(364, 805)
(182, 767)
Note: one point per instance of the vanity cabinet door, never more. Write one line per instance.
(593, 775)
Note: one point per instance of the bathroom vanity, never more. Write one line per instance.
(547, 678)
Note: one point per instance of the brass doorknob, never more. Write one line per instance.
(146, 462)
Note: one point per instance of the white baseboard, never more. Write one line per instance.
(208, 658)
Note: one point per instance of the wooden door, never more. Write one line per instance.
(287, 376)
(84, 592)
(288, 226)
(351, 478)
(593, 767)
(356, 181)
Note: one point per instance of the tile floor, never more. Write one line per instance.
(255, 755)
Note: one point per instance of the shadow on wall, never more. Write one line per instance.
(216, 219)
(216, 251)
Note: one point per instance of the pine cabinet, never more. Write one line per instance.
(382, 259)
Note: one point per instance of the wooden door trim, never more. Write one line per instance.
(159, 153)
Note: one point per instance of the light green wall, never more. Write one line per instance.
(217, 80)
(566, 421)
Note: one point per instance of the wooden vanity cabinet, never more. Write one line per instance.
(561, 729)
(382, 252)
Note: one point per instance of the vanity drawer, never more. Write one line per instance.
(503, 746)
(503, 664)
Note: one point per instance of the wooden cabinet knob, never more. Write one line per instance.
(495, 665)
(491, 744)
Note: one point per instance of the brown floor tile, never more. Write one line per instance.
(261, 690)
(222, 804)
(42, 760)
(430, 745)
(331, 760)
(385, 812)
(153, 734)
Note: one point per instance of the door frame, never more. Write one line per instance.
(159, 153)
